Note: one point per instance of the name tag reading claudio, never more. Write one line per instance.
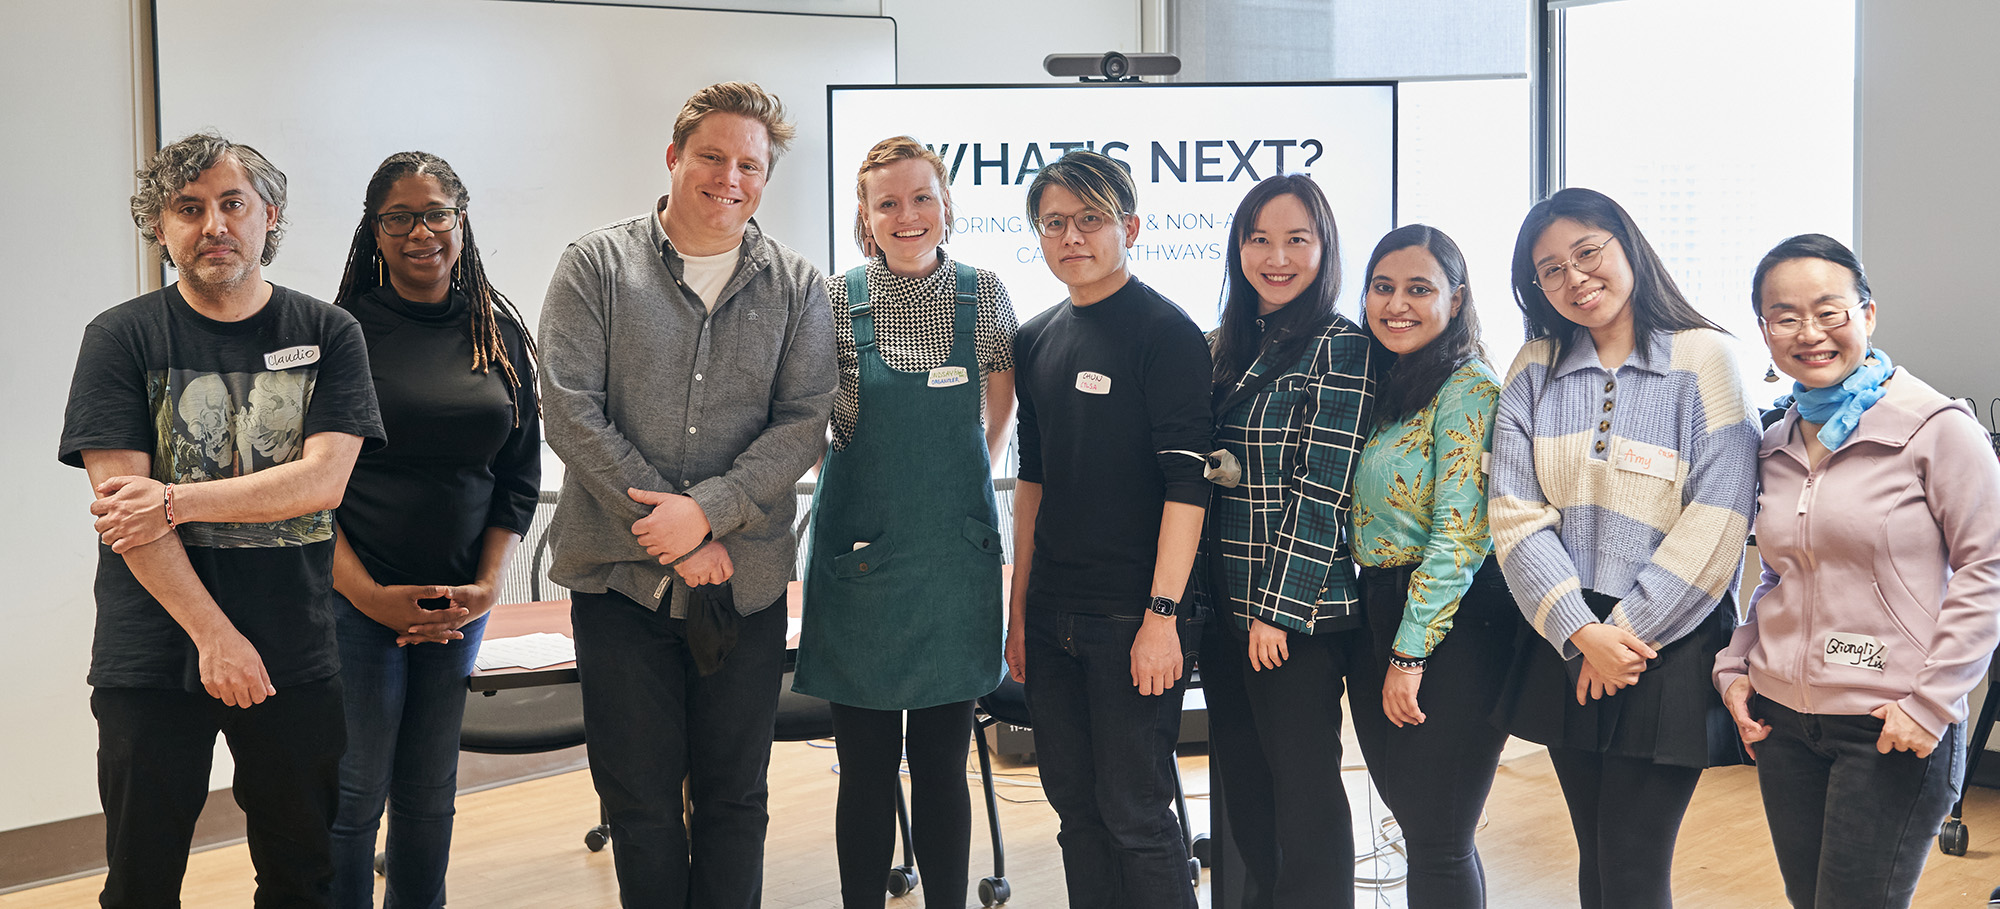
(1862, 651)
(947, 376)
(1651, 460)
(304, 355)
(1093, 383)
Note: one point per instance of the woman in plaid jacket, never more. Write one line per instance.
(1292, 397)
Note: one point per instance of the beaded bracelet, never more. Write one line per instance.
(1406, 664)
(168, 495)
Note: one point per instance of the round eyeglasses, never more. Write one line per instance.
(400, 223)
(1827, 321)
(1088, 221)
(1554, 275)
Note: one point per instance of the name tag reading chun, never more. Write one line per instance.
(947, 376)
(1862, 651)
(303, 355)
(1093, 383)
(1651, 460)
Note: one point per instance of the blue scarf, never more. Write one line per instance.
(1838, 408)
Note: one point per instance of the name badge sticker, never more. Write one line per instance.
(1651, 460)
(303, 355)
(947, 376)
(1093, 383)
(1862, 651)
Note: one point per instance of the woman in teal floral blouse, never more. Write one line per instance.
(1439, 618)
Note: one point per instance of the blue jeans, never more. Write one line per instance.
(404, 705)
(1851, 826)
(1107, 758)
(654, 723)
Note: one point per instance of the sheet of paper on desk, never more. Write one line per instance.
(529, 651)
(793, 625)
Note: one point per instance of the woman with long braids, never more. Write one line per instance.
(430, 519)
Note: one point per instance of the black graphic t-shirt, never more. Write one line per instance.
(210, 400)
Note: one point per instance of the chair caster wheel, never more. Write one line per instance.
(995, 891)
(381, 864)
(1203, 850)
(1194, 872)
(596, 838)
(1952, 837)
(902, 880)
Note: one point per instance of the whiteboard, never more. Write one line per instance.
(557, 115)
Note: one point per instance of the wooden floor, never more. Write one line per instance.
(522, 846)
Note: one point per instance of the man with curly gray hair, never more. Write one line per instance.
(218, 418)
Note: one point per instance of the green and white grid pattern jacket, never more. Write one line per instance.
(1275, 543)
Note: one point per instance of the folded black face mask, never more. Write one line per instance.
(712, 622)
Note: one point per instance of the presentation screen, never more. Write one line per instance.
(1193, 150)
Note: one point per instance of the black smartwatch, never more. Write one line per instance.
(1164, 606)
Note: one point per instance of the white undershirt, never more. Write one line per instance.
(707, 275)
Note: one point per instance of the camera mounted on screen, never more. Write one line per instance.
(1111, 66)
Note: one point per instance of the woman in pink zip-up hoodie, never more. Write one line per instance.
(1879, 526)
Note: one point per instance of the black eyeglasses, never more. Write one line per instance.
(400, 223)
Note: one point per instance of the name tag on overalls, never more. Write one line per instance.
(947, 376)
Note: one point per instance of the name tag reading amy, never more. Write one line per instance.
(1093, 383)
(1651, 460)
(1862, 651)
(304, 355)
(947, 376)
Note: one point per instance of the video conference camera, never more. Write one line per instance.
(1111, 66)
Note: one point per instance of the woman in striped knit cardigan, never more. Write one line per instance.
(1624, 478)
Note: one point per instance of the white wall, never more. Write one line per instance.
(964, 41)
(1928, 196)
(67, 107)
(66, 90)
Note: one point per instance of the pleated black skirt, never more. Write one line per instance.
(1672, 716)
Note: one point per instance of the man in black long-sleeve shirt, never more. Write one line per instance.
(1114, 387)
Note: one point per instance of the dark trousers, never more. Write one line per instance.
(154, 748)
(1435, 776)
(1626, 813)
(404, 707)
(1107, 758)
(655, 725)
(1851, 826)
(1274, 749)
(871, 745)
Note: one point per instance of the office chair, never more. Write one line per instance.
(543, 718)
(1952, 836)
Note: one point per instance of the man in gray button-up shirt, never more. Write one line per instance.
(688, 372)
